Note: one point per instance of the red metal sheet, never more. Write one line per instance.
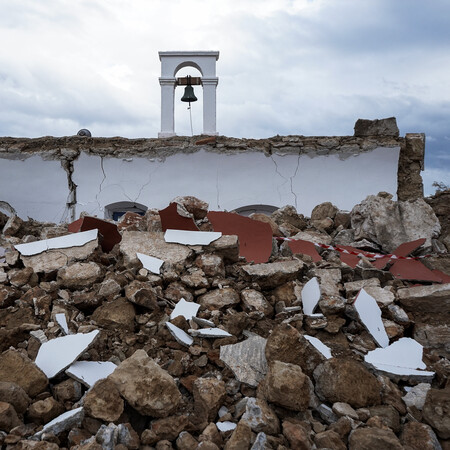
(410, 269)
(351, 260)
(402, 250)
(255, 238)
(408, 247)
(171, 220)
(445, 278)
(305, 248)
(108, 230)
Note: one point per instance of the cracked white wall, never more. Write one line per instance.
(35, 188)
(228, 181)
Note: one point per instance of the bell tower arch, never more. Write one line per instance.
(171, 62)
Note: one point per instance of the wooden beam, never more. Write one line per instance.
(195, 81)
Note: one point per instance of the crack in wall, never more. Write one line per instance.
(100, 188)
(71, 202)
(291, 180)
(282, 176)
(144, 186)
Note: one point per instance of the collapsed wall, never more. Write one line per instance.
(179, 340)
(95, 175)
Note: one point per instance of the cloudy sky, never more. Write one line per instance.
(309, 67)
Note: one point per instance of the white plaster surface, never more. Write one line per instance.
(370, 314)
(35, 188)
(70, 240)
(310, 296)
(210, 333)
(229, 181)
(226, 426)
(150, 263)
(319, 345)
(191, 237)
(55, 355)
(64, 421)
(405, 353)
(62, 322)
(89, 372)
(180, 336)
(203, 322)
(185, 309)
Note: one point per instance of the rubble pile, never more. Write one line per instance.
(190, 329)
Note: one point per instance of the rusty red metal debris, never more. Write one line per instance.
(305, 248)
(409, 269)
(110, 234)
(402, 250)
(171, 220)
(350, 259)
(255, 237)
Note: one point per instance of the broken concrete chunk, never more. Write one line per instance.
(370, 315)
(310, 296)
(79, 275)
(376, 127)
(55, 259)
(426, 299)
(180, 336)
(39, 335)
(103, 401)
(400, 358)
(150, 263)
(209, 394)
(348, 381)
(66, 421)
(271, 275)
(286, 385)
(8, 417)
(246, 359)
(210, 333)
(434, 337)
(261, 417)
(55, 355)
(191, 237)
(435, 411)
(219, 298)
(152, 244)
(186, 309)
(416, 395)
(319, 345)
(193, 205)
(89, 372)
(17, 368)
(254, 300)
(390, 224)
(145, 386)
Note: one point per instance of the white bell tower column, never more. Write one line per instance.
(171, 63)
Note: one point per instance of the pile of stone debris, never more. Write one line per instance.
(128, 337)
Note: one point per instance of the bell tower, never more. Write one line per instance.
(171, 63)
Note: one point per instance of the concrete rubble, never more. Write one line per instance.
(173, 339)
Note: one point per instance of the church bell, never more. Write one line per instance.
(189, 95)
